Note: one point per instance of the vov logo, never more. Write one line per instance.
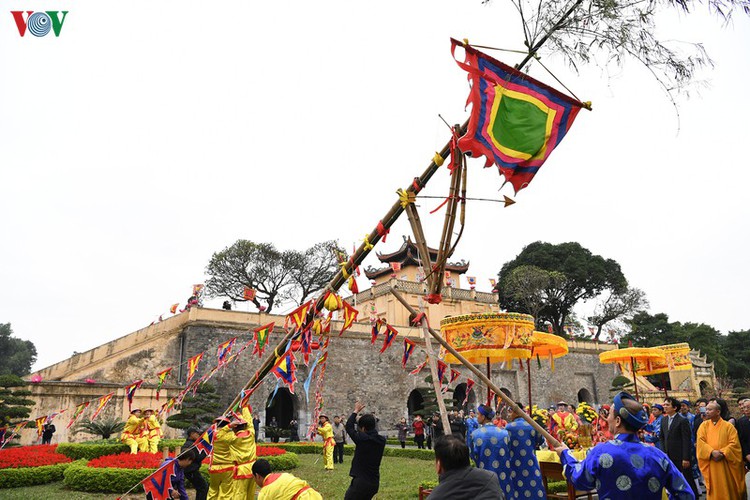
(39, 23)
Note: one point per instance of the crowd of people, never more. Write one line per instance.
(635, 451)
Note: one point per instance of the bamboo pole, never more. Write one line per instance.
(432, 361)
(390, 218)
(479, 374)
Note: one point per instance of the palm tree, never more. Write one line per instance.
(103, 427)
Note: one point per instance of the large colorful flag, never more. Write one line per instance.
(516, 121)
(261, 338)
(77, 413)
(101, 404)
(299, 315)
(285, 371)
(224, 350)
(205, 443)
(248, 293)
(472, 281)
(469, 387)
(390, 334)
(158, 486)
(173, 308)
(130, 392)
(162, 376)
(409, 346)
(493, 282)
(350, 316)
(40, 421)
(193, 366)
(197, 289)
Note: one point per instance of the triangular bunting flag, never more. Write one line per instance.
(79, 409)
(101, 404)
(454, 375)
(419, 368)
(192, 367)
(261, 338)
(441, 367)
(224, 350)
(409, 346)
(390, 334)
(285, 371)
(469, 388)
(299, 315)
(173, 308)
(40, 421)
(205, 443)
(350, 316)
(130, 392)
(162, 375)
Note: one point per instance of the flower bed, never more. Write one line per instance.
(153, 460)
(31, 476)
(31, 456)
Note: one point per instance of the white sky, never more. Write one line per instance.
(151, 134)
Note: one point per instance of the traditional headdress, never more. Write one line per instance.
(636, 420)
(486, 411)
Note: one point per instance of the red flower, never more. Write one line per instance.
(268, 451)
(31, 456)
(128, 461)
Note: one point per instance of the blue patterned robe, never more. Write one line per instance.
(626, 469)
(490, 450)
(653, 432)
(525, 474)
(471, 426)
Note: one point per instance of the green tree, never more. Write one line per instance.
(17, 355)
(575, 274)
(276, 276)
(737, 351)
(617, 305)
(647, 330)
(708, 340)
(14, 403)
(103, 427)
(197, 411)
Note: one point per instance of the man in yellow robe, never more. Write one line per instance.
(244, 454)
(221, 468)
(720, 456)
(153, 431)
(142, 435)
(282, 486)
(132, 431)
(326, 432)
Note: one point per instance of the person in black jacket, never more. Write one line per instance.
(368, 453)
(49, 429)
(192, 471)
(676, 441)
(458, 479)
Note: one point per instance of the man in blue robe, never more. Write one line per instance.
(471, 425)
(624, 468)
(653, 430)
(525, 474)
(489, 447)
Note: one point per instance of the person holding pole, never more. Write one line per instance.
(326, 432)
(624, 468)
(489, 448)
(368, 453)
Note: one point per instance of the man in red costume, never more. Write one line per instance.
(562, 421)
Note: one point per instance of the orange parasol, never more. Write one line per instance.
(635, 356)
(488, 337)
(545, 345)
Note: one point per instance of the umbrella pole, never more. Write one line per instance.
(489, 403)
(528, 376)
(481, 376)
(664, 383)
(635, 379)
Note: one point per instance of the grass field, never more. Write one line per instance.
(399, 480)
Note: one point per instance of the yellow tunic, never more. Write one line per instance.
(328, 444)
(221, 468)
(725, 479)
(131, 433)
(287, 487)
(243, 449)
(153, 428)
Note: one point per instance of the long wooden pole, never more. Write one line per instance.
(635, 377)
(437, 384)
(479, 373)
(390, 218)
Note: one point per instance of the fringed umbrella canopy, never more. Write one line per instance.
(676, 358)
(497, 337)
(548, 346)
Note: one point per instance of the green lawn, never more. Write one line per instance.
(399, 480)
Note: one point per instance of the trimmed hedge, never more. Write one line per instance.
(79, 477)
(31, 476)
(93, 449)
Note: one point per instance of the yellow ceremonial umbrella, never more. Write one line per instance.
(545, 345)
(489, 337)
(641, 356)
(676, 358)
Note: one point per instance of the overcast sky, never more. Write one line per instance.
(151, 134)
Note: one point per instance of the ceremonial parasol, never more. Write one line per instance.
(488, 338)
(545, 345)
(643, 356)
(676, 358)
